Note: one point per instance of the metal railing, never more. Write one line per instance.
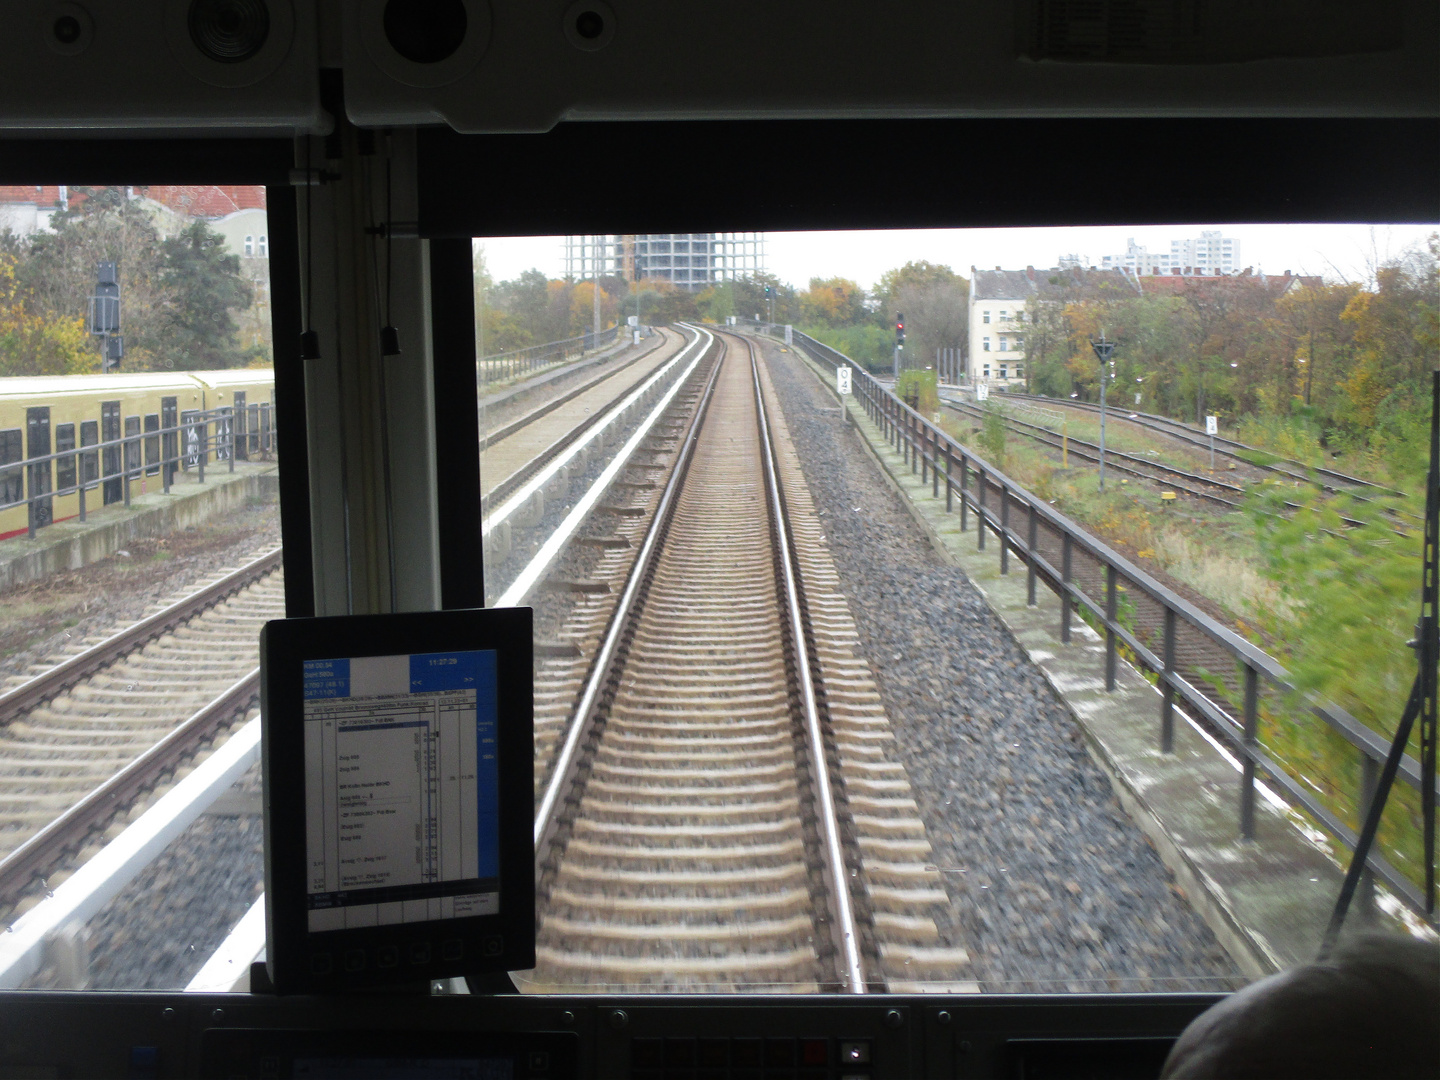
(1183, 650)
(184, 446)
(507, 365)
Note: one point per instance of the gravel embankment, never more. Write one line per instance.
(1051, 886)
(159, 931)
(41, 621)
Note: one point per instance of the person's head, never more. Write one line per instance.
(1371, 1010)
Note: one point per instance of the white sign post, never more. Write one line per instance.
(982, 391)
(1212, 425)
(789, 334)
(842, 380)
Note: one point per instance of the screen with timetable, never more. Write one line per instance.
(401, 789)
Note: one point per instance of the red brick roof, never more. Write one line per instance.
(47, 195)
(208, 200)
(197, 200)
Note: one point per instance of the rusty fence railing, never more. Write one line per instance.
(1196, 663)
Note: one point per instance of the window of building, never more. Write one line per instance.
(249, 245)
(985, 344)
(1004, 314)
(985, 316)
(1003, 343)
(987, 371)
(264, 249)
(1019, 343)
(1003, 373)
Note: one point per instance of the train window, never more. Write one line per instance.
(120, 438)
(800, 723)
(89, 463)
(12, 484)
(64, 466)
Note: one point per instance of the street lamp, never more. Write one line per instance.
(1103, 349)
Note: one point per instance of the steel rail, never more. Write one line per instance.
(504, 431)
(514, 489)
(1178, 429)
(67, 673)
(40, 852)
(965, 409)
(849, 942)
(562, 780)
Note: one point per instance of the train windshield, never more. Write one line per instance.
(920, 611)
(139, 555)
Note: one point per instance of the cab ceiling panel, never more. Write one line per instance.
(524, 65)
(197, 65)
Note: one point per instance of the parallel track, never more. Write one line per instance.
(85, 740)
(1185, 433)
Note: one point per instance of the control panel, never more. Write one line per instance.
(515, 1037)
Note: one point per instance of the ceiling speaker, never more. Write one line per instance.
(425, 43)
(67, 28)
(230, 43)
(206, 65)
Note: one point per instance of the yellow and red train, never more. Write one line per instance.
(136, 423)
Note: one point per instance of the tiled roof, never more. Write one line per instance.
(47, 195)
(208, 200)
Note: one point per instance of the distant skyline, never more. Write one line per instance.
(1332, 251)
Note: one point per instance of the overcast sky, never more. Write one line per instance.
(1334, 251)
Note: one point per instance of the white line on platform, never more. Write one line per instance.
(92, 886)
(543, 477)
(553, 545)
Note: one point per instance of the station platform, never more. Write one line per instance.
(71, 544)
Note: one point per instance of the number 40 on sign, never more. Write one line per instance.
(842, 380)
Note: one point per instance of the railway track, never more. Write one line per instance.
(87, 739)
(1129, 464)
(718, 810)
(1232, 448)
(515, 451)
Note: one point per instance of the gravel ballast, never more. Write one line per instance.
(1051, 886)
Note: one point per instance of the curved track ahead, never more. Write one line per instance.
(730, 820)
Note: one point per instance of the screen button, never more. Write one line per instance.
(453, 949)
(419, 952)
(494, 944)
(321, 963)
(355, 960)
(387, 956)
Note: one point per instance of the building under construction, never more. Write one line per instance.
(690, 261)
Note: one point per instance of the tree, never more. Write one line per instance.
(32, 344)
(203, 286)
(936, 304)
(832, 301)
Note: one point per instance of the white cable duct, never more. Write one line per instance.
(91, 887)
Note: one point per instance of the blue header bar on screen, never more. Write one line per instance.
(430, 672)
(327, 679)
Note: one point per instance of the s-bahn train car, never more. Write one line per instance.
(48, 417)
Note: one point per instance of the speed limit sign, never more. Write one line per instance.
(842, 380)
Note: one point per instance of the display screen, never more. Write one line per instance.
(401, 789)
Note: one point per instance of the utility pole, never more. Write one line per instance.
(1103, 349)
